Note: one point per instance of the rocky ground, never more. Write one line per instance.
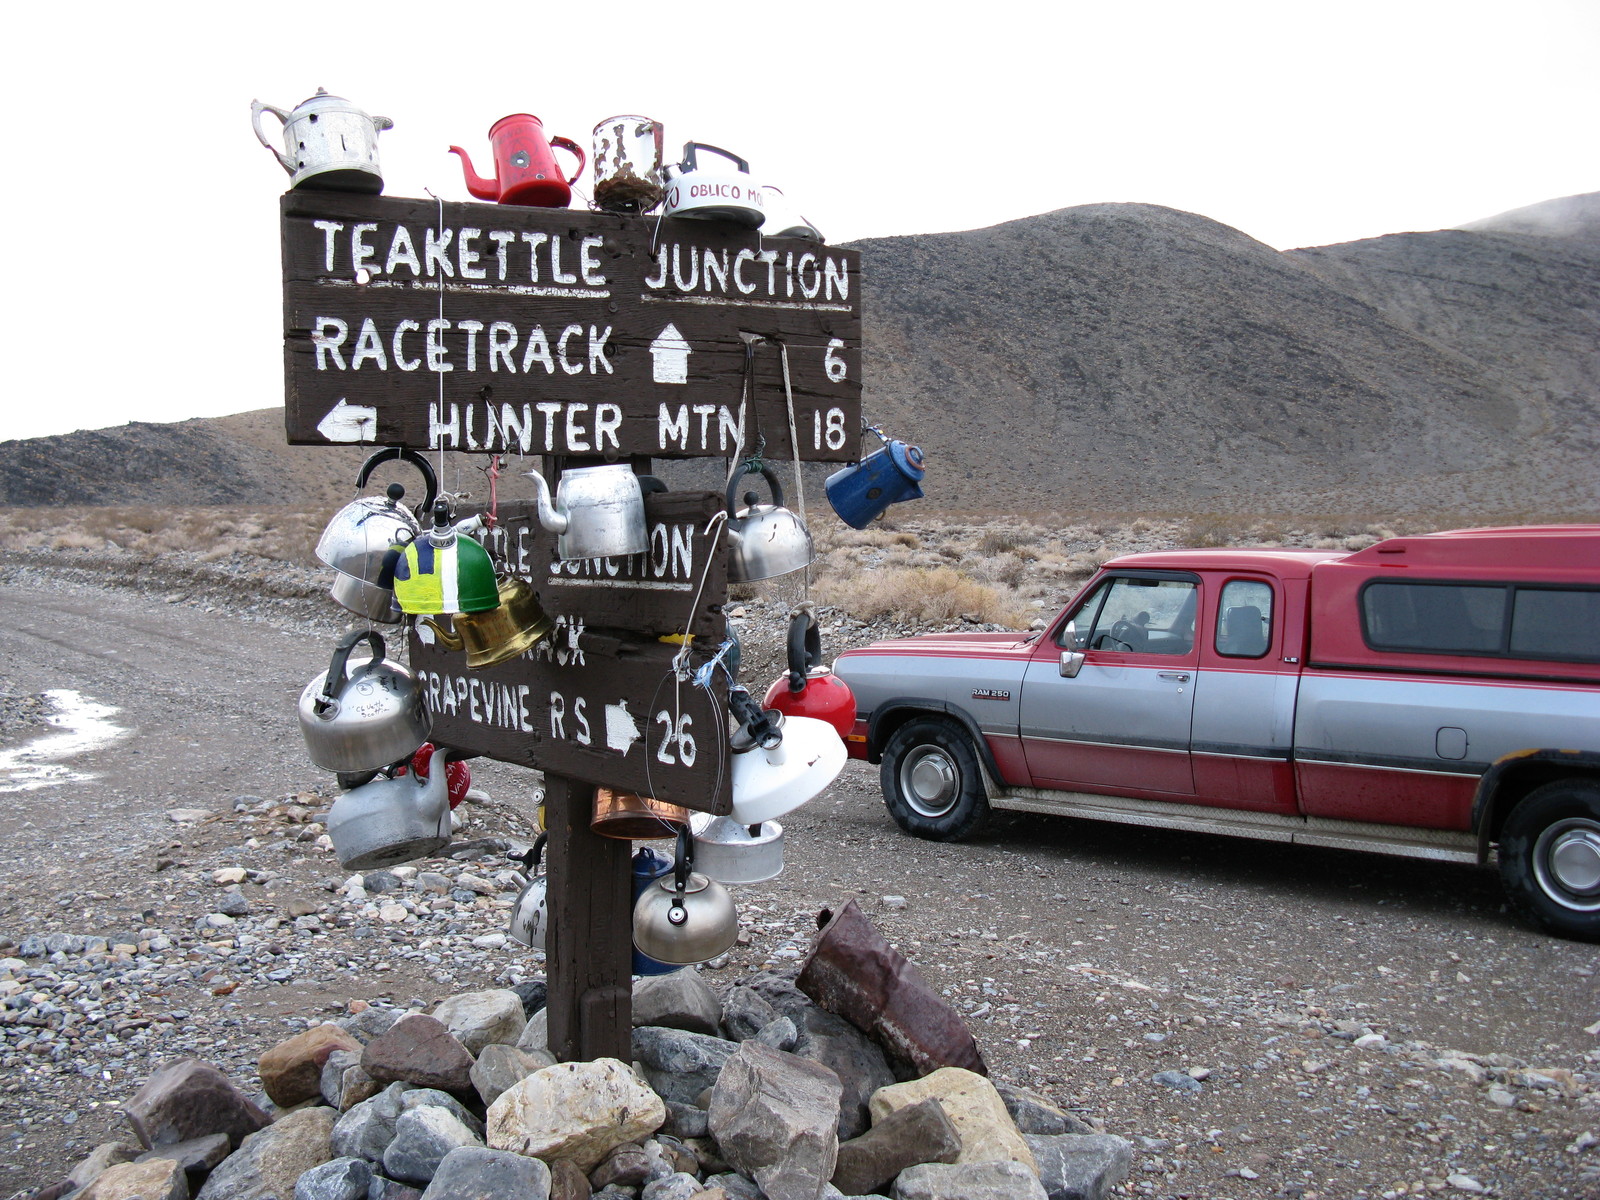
(1301, 1023)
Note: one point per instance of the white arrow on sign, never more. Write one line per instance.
(621, 729)
(349, 423)
(669, 357)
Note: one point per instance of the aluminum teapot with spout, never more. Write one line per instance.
(764, 540)
(332, 145)
(530, 915)
(392, 821)
(597, 511)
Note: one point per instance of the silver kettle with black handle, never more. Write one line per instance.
(764, 540)
(366, 717)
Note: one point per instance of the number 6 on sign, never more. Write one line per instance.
(835, 366)
(675, 735)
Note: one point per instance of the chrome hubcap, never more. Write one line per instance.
(929, 781)
(1566, 860)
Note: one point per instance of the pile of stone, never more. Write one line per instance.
(758, 1092)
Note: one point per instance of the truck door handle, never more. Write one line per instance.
(1175, 676)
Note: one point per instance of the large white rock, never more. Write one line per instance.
(575, 1111)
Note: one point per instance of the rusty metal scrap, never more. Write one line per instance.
(854, 972)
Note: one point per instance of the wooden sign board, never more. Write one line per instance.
(607, 711)
(494, 328)
(675, 587)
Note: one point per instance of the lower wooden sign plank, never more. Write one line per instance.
(604, 710)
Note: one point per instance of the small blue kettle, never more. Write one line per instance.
(861, 492)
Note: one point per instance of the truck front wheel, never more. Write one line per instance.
(1550, 858)
(932, 782)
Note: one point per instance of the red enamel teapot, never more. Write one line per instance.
(525, 165)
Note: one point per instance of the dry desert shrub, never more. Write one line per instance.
(939, 595)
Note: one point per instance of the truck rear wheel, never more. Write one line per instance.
(1550, 858)
(932, 781)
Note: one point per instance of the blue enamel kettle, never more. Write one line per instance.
(860, 493)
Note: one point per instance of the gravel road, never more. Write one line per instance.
(1260, 1021)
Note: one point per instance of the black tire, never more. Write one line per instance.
(1550, 858)
(932, 782)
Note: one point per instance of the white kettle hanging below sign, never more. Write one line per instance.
(332, 145)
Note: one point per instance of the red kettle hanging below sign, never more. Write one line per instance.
(525, 165)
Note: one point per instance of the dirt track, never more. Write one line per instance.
(1090, 958)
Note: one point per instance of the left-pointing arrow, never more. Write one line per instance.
(349, 423)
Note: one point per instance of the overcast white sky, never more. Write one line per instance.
(143, 213)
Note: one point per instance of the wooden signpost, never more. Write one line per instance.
(583, 338)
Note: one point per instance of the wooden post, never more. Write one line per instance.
(589, 946)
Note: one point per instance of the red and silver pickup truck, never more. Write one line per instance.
(1434, 696)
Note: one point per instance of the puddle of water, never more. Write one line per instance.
(84, 727)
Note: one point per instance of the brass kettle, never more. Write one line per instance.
(517, 625)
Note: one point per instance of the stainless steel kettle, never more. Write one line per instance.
(598, 511)
(764, 540)
(684, 917)
(391, 821)
(733, 853)
(364, 718)
(357, 540)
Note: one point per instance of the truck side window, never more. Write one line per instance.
(1244, 619)
(1147, 616)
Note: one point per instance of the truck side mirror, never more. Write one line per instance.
(1071, 660)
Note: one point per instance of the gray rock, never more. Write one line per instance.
(380, 881)
(1034, 1113)
(745, 1013)
(344, 1084)
(384, 1188)
(1080, 1166)
(478, 1019)
(775, 1117)
(500, 1067)
(417, 1097)
(336, 1179)
(676, 1186)
(368, 1128)
(779, 1033)
(919, 1133)
(370, 1023)
(158, 1179)
(234, 904)
(626, 1166)
(855, 1058)
(1001, 1180)
(532, 993)
(680, 1065)
(678, 1000)
(267, 1164)
(781, 993)
(1178, 1082)
(685, 1120)
(738, 1187)
(536, 1034)
(472, 1173)
(422, 1137)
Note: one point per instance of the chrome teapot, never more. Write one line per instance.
(332, 145)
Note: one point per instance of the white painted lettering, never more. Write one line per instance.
(467, 255)
(502, 341)
(556, 273)
(538, 351)
(588, 264)
(571, 368)
(361, 253)
(597, 350)
(534, 240)
(323, 337)
(501, 239)
(576, 434)
(434, 347)
(473, 328)
(400, 359)
(607, 420)
(438, 429)
(329, 230)
(402, 251)
(368, 346)
(670, 430)
(436, 252)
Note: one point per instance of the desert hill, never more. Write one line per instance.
(1125, 357)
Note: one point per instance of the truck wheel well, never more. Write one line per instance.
(896, 713)
(1515, 780)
